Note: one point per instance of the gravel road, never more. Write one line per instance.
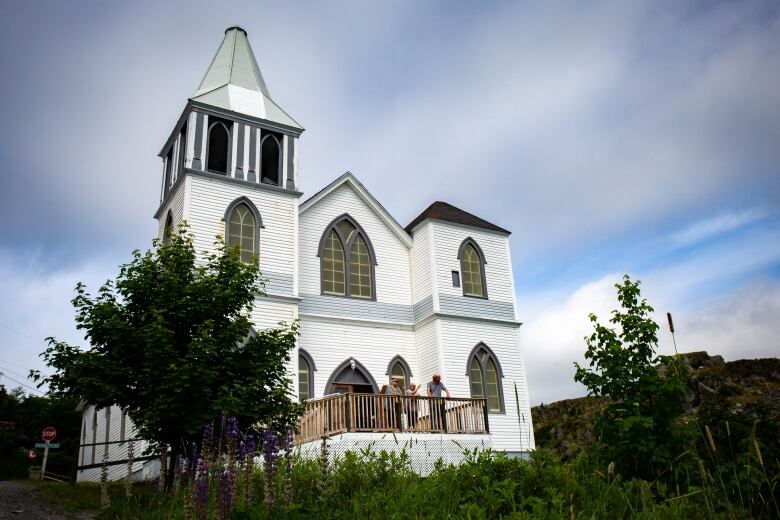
(19, 500)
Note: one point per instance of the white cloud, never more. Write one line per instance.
(712, 227)
(37, 305)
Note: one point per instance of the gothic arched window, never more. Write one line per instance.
(242, 228)
(472, 268)
(271, 166)
(399, 368)
(484, 373)
(347, 260)
(167, 230)
(306, 370)
(218, 149)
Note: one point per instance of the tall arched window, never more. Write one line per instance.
(484, 372)
(306, 370)
(242, 228)
(399, 368)
(472, 268)
(167, 230)
(218, 149)
(347, 260)
(271, 166)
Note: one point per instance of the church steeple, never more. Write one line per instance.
(231, 128)
(234, 82)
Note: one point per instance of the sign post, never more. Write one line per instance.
(48, 434)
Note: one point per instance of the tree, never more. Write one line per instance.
(643, 402)
(173, 345)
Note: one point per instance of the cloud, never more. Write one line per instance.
(36, 305)
(715, 226)
(723, 298)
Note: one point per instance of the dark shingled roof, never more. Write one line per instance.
(443, 211)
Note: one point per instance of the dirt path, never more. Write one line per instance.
(20, 500)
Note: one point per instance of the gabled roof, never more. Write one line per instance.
(351, 181)
(233, 81)
(449, 213)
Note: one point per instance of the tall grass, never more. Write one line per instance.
(487, 485)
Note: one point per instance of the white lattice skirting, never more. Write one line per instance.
(424, 449)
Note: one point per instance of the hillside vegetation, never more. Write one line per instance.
(745, 392)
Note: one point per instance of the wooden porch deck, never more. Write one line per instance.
(342, 413)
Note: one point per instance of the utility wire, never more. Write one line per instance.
(21, 333)
(20, 383)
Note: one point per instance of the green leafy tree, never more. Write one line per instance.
(172, 344)
(636, 426)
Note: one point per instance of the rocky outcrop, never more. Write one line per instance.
(566, 426)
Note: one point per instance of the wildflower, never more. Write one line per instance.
(247, 456)
(611, 471)
(323, 480)
(104, 500)
(201, 489)
(287, 446)
(225, 492)
(270, 457)
(128, 478)
(163, 465)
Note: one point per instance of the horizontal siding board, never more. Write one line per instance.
(355, 308)
(476, 307)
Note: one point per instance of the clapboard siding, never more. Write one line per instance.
(268, 313)
(421, 266)
(331, 343)
(326, 305)
(111, 417)
(393, 278)
(458, 339)
(427, 347)
(211, 197)
(498, 270)
(176, 206)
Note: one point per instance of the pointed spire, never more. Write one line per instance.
(234, 82)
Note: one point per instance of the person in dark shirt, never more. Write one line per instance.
(438, 406)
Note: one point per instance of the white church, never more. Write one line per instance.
(375, 300)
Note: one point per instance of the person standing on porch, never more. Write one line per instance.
(392, 406)
(438, 406)
(411, 406)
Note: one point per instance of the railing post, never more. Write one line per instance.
(485, 412)
(348, 411)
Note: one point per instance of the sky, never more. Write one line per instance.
(609, 137)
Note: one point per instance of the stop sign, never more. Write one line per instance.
(49, 434)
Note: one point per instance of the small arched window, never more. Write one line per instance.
(168, 230)
(306, 370)
(399, 369)
(217, 158)
(242, 228)
(472, 268)
(484, 373)
(271, 166)
(347, 260)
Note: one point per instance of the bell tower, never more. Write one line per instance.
(230, 169)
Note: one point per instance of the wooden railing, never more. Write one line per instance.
(342, 413)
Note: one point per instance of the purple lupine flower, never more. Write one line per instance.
(247, 460)
(206, 443)
(201, 491)
(287, 447)
(226, 492)
(270, 456)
